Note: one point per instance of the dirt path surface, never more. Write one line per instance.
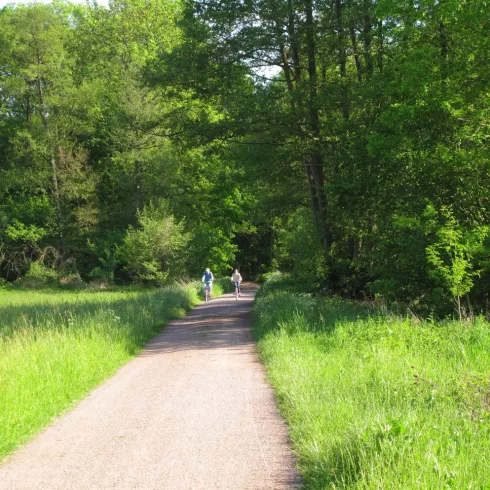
(193, 411)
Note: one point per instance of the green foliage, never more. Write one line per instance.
(374, 400)
(300, 248)
(38, 277)
(401, 273)
(220, 287)
(155, 252)
(211, 248)
(107, 255)
(17, 231)
(373, 116)
(453, 255)
(268, 277)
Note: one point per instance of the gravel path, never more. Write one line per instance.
(193, 411)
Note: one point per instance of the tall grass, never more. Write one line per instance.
(56, 346)
(377, 401)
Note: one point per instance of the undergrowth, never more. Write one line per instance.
(376, 401)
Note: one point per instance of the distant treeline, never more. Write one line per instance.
(343, 140)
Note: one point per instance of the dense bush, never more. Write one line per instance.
(154, 252)
(300, 249)
(38, 276)
(431, 262)
(71, 281)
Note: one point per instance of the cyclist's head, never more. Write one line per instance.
(236, 271)
(208, 269)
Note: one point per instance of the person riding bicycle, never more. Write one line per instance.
(207, 279)
(236, 278)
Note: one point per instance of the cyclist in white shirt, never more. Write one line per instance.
(236, 278)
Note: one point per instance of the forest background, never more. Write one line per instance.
(344, 141)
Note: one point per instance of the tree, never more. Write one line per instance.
(154, 252)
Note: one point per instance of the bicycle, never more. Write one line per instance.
(207, 292)
(237, 290)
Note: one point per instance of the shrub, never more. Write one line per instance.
(37, 277)
(453, 256)
(71, 281)
(267, 276)
(301, 251)
(155, 252)
(107, 254)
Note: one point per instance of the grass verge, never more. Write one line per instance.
(377, 401)
(57, 346)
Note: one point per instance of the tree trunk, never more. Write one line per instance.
(444, 51)
(353, 37)
(56, 196)
(311, 186)
(138, 190)
(368, 33)
(315, 158)
(293, 40)
(286, 68)
(28, 105)
(317, 164)
(342, 59)
(54, 172)
(311, 51)
(284, 56)
(381, 45)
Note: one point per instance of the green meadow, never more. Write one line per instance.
(377, 401)
(57, 346)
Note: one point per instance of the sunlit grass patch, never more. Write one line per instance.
(378, 401)
(55, 347)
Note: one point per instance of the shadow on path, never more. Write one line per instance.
(221, 323)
